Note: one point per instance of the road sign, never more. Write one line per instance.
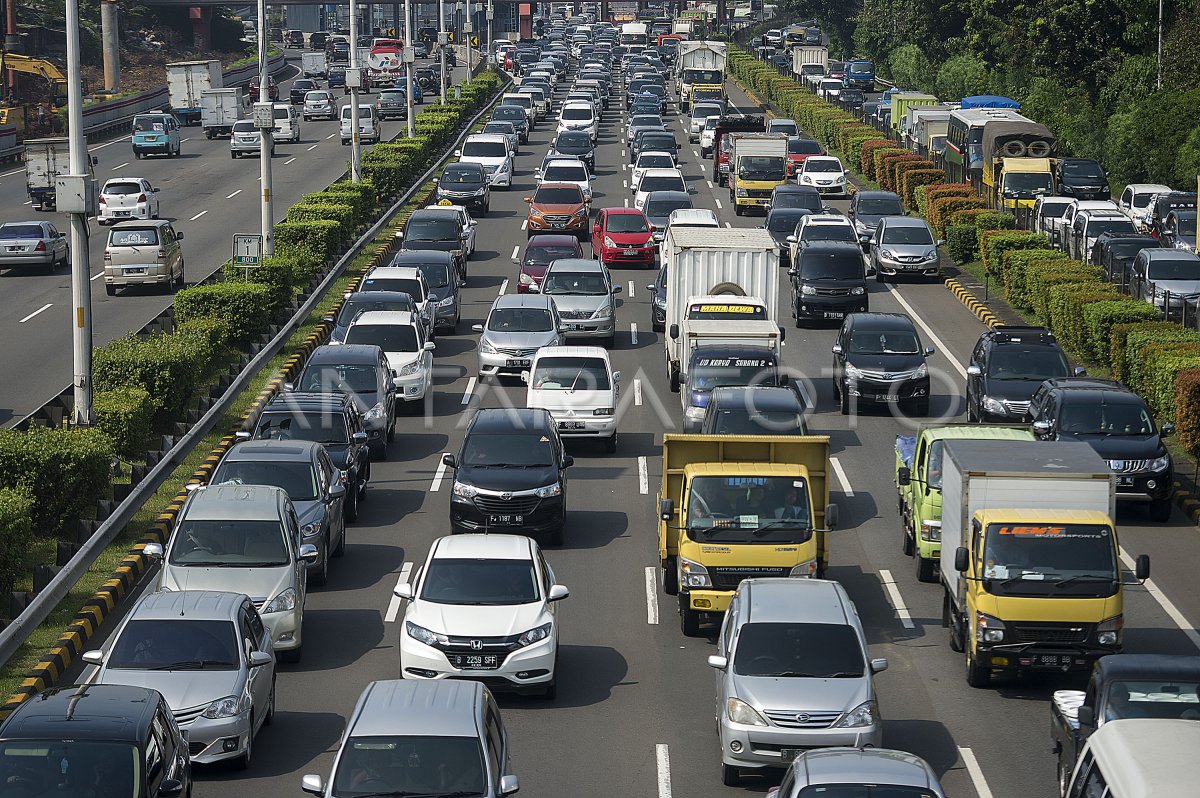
(247, 250)
(474, 41)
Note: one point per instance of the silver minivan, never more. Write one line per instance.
(143, 252)
(245, 539)
(792, 674)
(584, 294)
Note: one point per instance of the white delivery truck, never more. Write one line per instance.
(314, 65)
(809, 54)
(716, 274)
(925, 123)
(186, 82)
(220, 108)
(698, 62)
(698, 333)
(45, 159)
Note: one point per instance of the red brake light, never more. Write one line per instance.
(141, 197)
(41, 247)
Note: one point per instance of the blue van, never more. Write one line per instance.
(155, 133)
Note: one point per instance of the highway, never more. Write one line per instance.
(634, 711)
(208, 195)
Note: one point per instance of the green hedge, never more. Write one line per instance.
(342, 213)
(993, 245)
(65, 469)
(1018, 264)
(939, 209)
(1118, 343)
(1041, 281)
(16, 536)
(168, 366)
(1187, 410)
(125, 415)
(1066, 303)
(282, 275)
(960, 242)
(1099, 319)
(207, 331)
(1163, 362)
(915, 180)
(245, 307)
(312, 243)
(1138, 344)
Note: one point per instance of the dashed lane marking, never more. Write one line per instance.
(234, 194)
(893, 592)
(663, 758)
(637, 393)
(631, 283)
(643, 476)
(718, 203)
(313, 147)
(120, 166)
(288, 161)
(438, 476)
(516, 251)
(945, 350)
(976, 772)
(466, 400)
(633, 333)
(42, 309)
(393, 610)
(503, 287)
(1168, 606)
(651, 595)
(96, 276)
(841, 476)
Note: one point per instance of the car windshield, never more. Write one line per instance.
(786, 221)
(1012, 363)
(503, 128)
(21, 231)
(149, 125)
(392, 96)
(437, 275)
(37, 768)
(296, 478)
(570, 374)
(1084, 170)
(804, 146)
(134, 237)
(431, 228)
(355, 305)
(784, 127)
(565, 173)
(645, 120)
(661, 208)
(577, 112)
(388, 337)
(831, 266)
(520, 320)
(1091, 417)
(244, 126)
(702, 76)
(545, 254)
(570, 283)
(485, 149)
(881, 206)
(457, 175)
(509, 113)
(750, 421)
(490, 449)
(769, 510)
(655, 160)
(884, 342)
(402, 285)
(809, 200)
(341, 378)
(573, 140)
(799, 650)
(659, 141)
(662, 183)
(1159, 699)
(410, 766)
(176, 644)
(1173, 269)
(232, 543)
(626, 223)
(312, 426)
(822, 165)
(1050, 559)
(1096, 227)
(828, 232)
(1185, 226)
(705, 110)
(907, 235)
(558, 195)
(480, 582)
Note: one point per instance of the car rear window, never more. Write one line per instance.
(122, 188)
(20, 231)
(134, 237)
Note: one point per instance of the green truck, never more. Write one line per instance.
(919, 484)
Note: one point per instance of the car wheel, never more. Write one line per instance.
(977, 675)
(843, 401)
(321, 575)
(233, 155)
(670, 578)
(921, 407)
(110, 289)
(243, 761)
(610, 444)
(926, 569)
(350, 505)
(270, 716)
(689, 619)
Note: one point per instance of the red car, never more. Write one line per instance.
(539, 253)
(798, 150)
(622, 235)
(272, 89)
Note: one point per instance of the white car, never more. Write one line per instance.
(483, 606)
(825, 173)
(650, 159)
(708, 136)
(493, 152)
(579, 388)
(506, 129)
(368, 125)
(319, 103)
(701, 113)
(287, 123)
(245, 139)
(401, 336)
(127, 198)
(1135, 202)
(579, 116)
(566, 170)
(657, 180)
(408, 279)
(829, 89)
(785, 126)
(820, 227)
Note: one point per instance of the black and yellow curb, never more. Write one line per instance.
(125, 577)
(972, 304)
(1187, 502)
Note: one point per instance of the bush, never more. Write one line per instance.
(245, 307)
(1099, 318)
(280, 274)
(207, 331)
(169, 367)
(1066, 303)
(993, 246)
(65, 469)
(948, 190)
(867, 154)
(16, 536)
(310, 243)
(941, 207)
(960, 242)
(996, 220)
(886, 168)
(1018, 263)
(915, 181)
(1187, 410)
(1119, 340)
(1041, 282)
(855, 145)
(1163, 362)
(125, 415)
(341, 213)
(878, 159)
(1138, 344)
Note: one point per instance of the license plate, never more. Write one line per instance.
(1124, 482)
(136, 270)
(886, 397)
(15, 249)
(558, 225)
(574, 326)
(788, 754)
(629, 253)
(517, 363)
(122, 213)
(474, 661)
(570, 425)
(506, 520)
(1051, 659)
(834, 314)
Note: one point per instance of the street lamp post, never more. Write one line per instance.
(266, 134)
(81, 286)
(354, 82)
(1160, 42)
(442, 41)
(409, 27)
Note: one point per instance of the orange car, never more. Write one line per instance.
(558, 208)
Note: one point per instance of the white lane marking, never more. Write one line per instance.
(727, 224)
(1168, 606)
(503, 287)
(981, 785)
(710, 185)
(393, 609)
(962, 372)
(524, 224)
(331, 135)
(197, 216)
(631, 289)
(466, 400)
(96, 276)
(696, 153)
(624, 166)
(893, 592)
(438, 476)
(516, 251)
(110, 143)
(651, 595)
(623, 155)
(633, 333)
(626, 201)
(643, 476)
(664, 770)
(313, 147)
(13, 172)
(27, 202)
(120, 166)
(718, 203)
(183, 140)
(841, 475)
(42, 309)
(234, 194)
(637, 393)
(288, 161)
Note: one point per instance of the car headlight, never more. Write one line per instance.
(602, 312)
(1161, 463)
(739, 711)
(887, 253)
(410, 369)
(486, 347)
(992, 405)
(1108, 633)
(464, 490)
(931, 254)
(505, 167)
(741, 192)
(861, 715)
(660, 301)
(805, 570)
(423, 635)
(861, 226)
(853, 372)
(694, 413)
(447, 302)
(228, 707)
(608, 242)
(308, 530)
(534, 211)
(693, 574)
(931, 531)
(920, 371)
(858, 290)
(988, 629)
(534, 635)
(525, 279)
(806, 178)
(549, 490)
(808, 290)
(375, 413)
(284, 602)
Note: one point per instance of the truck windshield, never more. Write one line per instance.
(1050, 560)
(762, 168)
(709, 372)
(1027, 181)
(749, 510)
(1156, 699)
(702, 76)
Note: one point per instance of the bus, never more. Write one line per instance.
(964, 141)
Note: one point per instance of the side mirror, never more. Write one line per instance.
(527, 199)
(718, 662)
(831, 516)
(558, 593)
(156, 190)
(616, 377)
(312, 784)
(308, 553)
(477, 328)
(450, 461)
(974, 371)
(429, 346)
(929, 350)
(1142, 567)
(940, 242)
(289, 386)
(260, 658)
(666, 508)
(1166, 429)
(879, 665)
(153, 550)
(1042, 427)
(337, 490)
(458, 153)
(93, 657)
(434, 181)
(651, 287)
(404, 591)
(616, 289)
(674, 331)
(509, 785)
(792, 239)
(836, 349)
(179, 234)
(525, 377)
(1086, 715)
(359, 438)
(568, 461)
(903, 475)
(329, 318)
(170, 788)
(961, 559)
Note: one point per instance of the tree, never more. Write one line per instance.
(960, 76)
(910, 69)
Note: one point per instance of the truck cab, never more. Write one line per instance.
(718, 364)
(1021, 181)
(758, 163)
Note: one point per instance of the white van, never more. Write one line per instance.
(1137, 758)
(368, 125)
(579, 388)
(523, 100)
(287, 123)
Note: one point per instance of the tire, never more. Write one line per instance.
(270, 718)
(738, 210)
(977, 675)
(350, 505)
(321, 576)
(1160, 511)
(689, 619)
(551, 691)
(291, 656)
(730, 776)
(843, 401)
(926, 572)
(972, 416)
(243, 761)
(341, 544)
(670, 578)
(906, 542)
(110, 289)
(610, 444)
(1063, 772)
(233, 155)
(727, 289)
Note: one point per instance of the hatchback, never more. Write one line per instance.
(143, 253)
(127, 198)
(319, 104)
(824, 173)
(622, 236)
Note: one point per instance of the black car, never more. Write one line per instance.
(337, 50)
(781, 223)
(362, 373)
(421, 49)
(61, 741)
(1083, 179)
(658, 292)
(329, 419)
(878, 357)
(654, 141)
(465, 184)
(829, 281)
(578, 144)
(852, 99)
(317, 41)
(868, 207)
(392, 104)
(658, 208)
(510, 475)
(754, 410)
(790, 195)
(1115, 422)
(434, 228)
(301, 87)
(441, 280)
(1115, 253)
(1007, 366)
(515, 114)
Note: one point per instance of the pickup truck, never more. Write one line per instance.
(1122, 686)
(919, 484)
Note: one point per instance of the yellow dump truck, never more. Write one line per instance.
(733, 507)
(1016, 162)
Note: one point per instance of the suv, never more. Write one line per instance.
(402, 337)
(583, 293)
(329, 419)
(368, 124)
(1115, 422)
(447, 727)
(510, 475)
(558, 207)
(360, 372)
(868, 207)
(143, 252)
(465, 184)
(442, 284)
(754, 410)
(54, 744)
(493, 153)
(1082, 178)
(823, 228)
(438, 228)
(877, 357)
(1007, 366)
(828, 281)
(804, 633)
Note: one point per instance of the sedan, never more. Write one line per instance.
(640, 122)
(127, 198)
(33, 244)
(576, 144)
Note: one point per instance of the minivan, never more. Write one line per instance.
(580, 389)
(287, 122)
(368, 125)
(155, 133)
(829, 280)
(143, 252)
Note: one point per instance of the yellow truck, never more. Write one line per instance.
(1034, 583)
(1016, 162)
(758, 163)
(732, 507)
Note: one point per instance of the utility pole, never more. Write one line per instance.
(1160, 42)
(354, 81)
(409, 38)
(489, 31)
(79, 180)
(468, 33)
(266, 133)
(109, 37)
(442, 41)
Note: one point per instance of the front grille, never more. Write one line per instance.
(833, 291)
(575, 314)
(260, 603)
(486, 645)
(1019, 408)
(556, 219)
(728, 578)
(195, 749)
(517, 352)
(1129, 466)
(885, 376)
(517, 505)
(759, 193)
(185, 716)
(910, 258)
(1049, 633)
(801, 719)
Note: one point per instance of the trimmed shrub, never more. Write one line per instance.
(1163, 362)
(1118, 342)
(1018, 263)
(996, 220)
(1066, 303)
(939, 208)
(960, 242)
(341, 213)
(1042, 281)
(948, 190)
(867, 154)
(169, 367)
(245, 307)
(915, 180)
(16, 536)
(65, 470)
(1099, 318)
(1137, 345)
(279, 274)
(878, 159)
(992, 246)
(887, 168)
(1187, 410)
(207, 331)
(125, 415)
(855, 144)
(307, 242)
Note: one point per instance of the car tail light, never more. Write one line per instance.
(41, 247)
(102, 200)
(141, 197)
(162, 255)
(107, 256)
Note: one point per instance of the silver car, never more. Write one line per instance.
(319, 102)
(903, 245)
(245, 139)
(517, 326)
(583, 292)
(508, 130)
(210, 655)
(869, 772)
(792, 674)
(33, 244)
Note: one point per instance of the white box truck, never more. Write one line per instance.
(44, 160)
(716, 274)
(809, 54)
(220, 108)
(186, 82)
(699, 62)
(314, 65)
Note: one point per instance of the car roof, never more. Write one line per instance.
(283, 451)
(573, 351)
(659, 153)
(394, 272)
(758, 397)
(195, 605)
(662, 171)
(1148, 757)
(577, 265)
(814, 219)
(877, 195)
(788, 600)
(881, 321)
(1163, 253)
(138, 224)
(308, 400)
(1094, 388)
(535, 301)
(794, 188)
(511, 421)
(423, 212)
(865, 765)
(668, 194)
(818, 248)
(905, 221)
(483, 547)
(111, 712)
(228, 502)
(560, 184)
(406, 256)
(496, 138)
(441, 708)
(559, 239)
(398, 318)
